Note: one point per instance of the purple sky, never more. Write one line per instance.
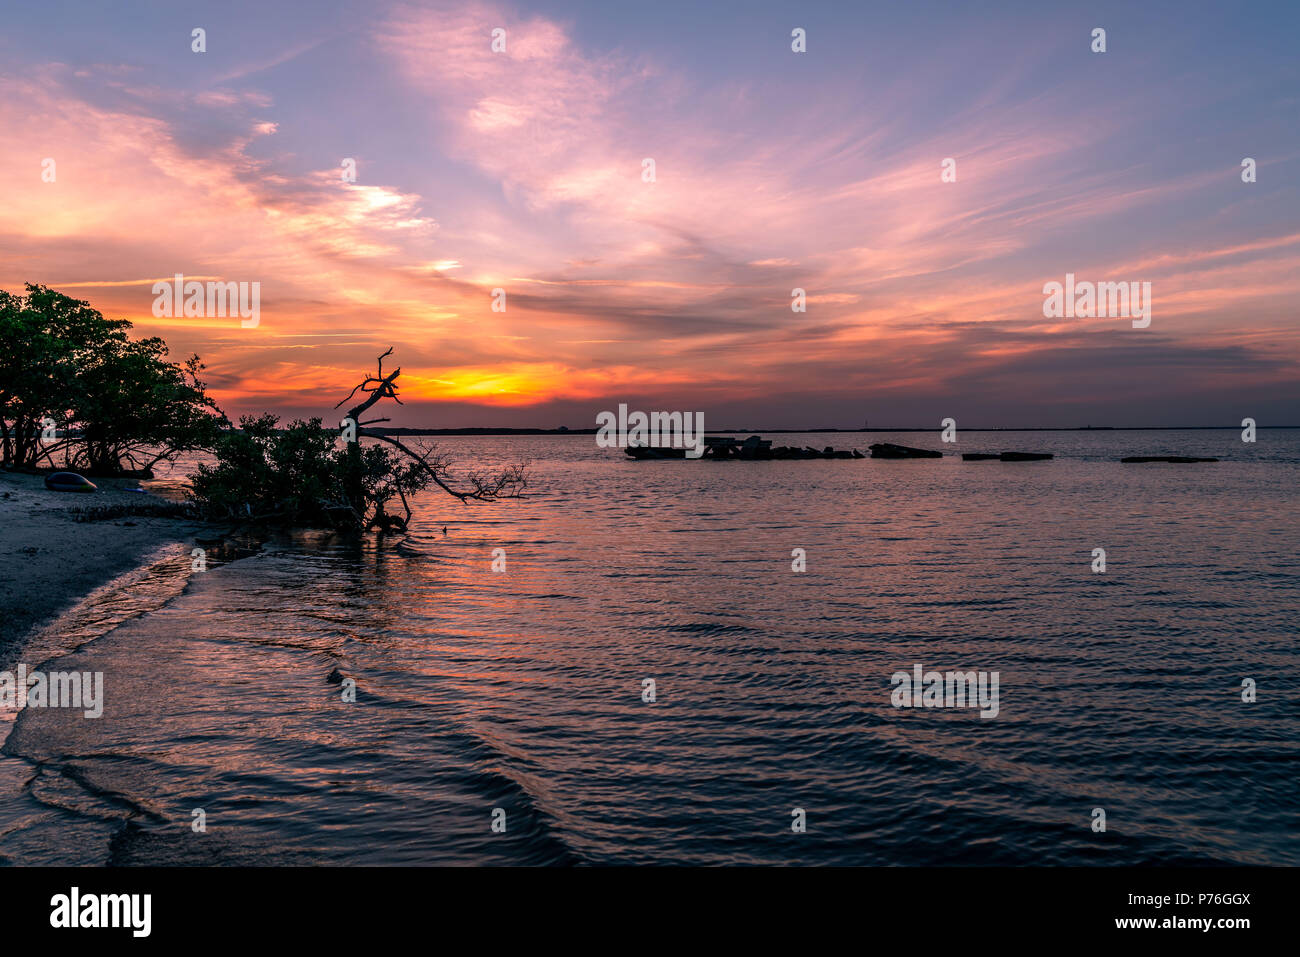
(522, 170)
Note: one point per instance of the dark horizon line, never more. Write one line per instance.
(565, 430)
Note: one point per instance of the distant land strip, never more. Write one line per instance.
(1081, 428)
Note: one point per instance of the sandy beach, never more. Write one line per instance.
(49, 560)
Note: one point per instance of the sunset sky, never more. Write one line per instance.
(774, 170)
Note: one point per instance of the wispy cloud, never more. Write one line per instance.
(523, 170)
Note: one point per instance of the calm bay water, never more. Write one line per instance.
(522, 690)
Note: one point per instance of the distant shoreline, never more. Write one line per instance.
(1079, 428)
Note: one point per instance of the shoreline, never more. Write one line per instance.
(51, 561)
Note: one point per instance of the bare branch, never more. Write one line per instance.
(509, 483)
(424, 467)
(382, 387)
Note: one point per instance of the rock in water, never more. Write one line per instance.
(1178, 459)
(68, 482)
(888, 450)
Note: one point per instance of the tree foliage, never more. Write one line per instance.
(304, 475)
(76, 391)
(115, 403)
(298, 476)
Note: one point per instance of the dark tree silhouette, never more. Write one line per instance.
(508, 483)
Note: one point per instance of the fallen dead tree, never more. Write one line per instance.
(299, 476)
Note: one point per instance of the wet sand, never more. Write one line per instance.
(49, 561)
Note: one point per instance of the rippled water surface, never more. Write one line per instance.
(522, 689)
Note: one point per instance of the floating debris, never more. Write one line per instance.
(887, 450)
(1006, 456)
(753, 449)
(1180, 459)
